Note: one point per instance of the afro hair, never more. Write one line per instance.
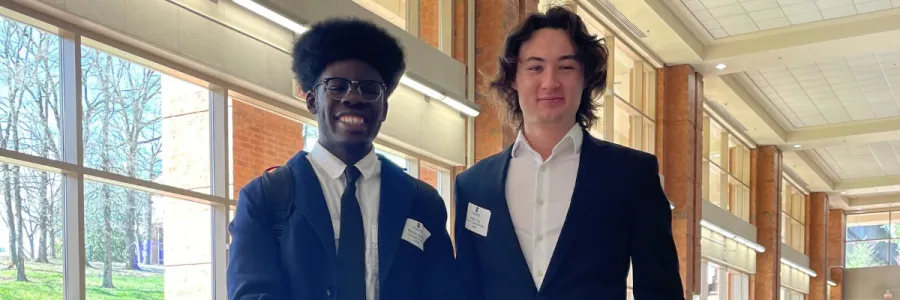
(344, 39)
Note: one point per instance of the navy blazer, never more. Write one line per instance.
(304, 264)
(618, 214)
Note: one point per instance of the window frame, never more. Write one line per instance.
(733, 167)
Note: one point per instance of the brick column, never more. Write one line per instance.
(493, 21)
(430, 22)
(681, 99)
(835, 251)
(817, 222)
(766, 197)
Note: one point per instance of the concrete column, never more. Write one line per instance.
(494, 19)
(817, 223)
(835, 251)
(680, 103)
(765, 196)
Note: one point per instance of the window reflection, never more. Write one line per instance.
(873, 240)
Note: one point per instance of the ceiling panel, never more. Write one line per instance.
(724, 18)
(862, 161)
(862, 87)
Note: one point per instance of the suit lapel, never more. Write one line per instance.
(395, 201)
(501, 227)
(590, 178)
(312, 202)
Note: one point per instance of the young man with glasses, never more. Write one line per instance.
(560, 214)
(341, 222)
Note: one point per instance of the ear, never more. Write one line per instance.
(311, 102)
(384, 112)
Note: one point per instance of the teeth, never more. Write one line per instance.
(354, 120)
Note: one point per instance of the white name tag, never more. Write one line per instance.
(477, 219)
(415, 233)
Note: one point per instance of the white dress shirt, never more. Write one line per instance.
(538, 194)
(330, 171)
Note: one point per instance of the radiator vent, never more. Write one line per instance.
(637, 32)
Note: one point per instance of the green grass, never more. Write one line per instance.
(45, 281)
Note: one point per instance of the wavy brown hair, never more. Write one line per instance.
(590, 51)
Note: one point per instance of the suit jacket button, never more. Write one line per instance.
(329, 292)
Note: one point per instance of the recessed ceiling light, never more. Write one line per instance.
(721, 66)
(798, 146)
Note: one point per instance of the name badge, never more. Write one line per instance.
(415, 233)
(477, 219)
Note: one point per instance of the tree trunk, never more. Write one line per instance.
(148, 259)
(20, 265)
(107, 260)
(10, 217)
(130, 233)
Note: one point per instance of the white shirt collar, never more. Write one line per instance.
(570, 143)
(368, 166)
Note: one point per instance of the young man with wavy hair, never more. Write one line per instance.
(560, 214)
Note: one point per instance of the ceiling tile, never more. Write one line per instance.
(767, 14)
(717, 3)
(805, 18)
(693, 5)
(896, 3)
(800, 8)
(711, 24)
(791, 2)
(828, 4)
(838, 12)
(741, 28)
(718, 33)
(873, 6)
(703, 15)
(736, 20)
(757, 5)
(727, 10)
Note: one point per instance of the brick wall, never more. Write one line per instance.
(430, 22)
(261, 139)
(429, 175)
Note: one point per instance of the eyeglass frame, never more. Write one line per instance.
(352, 83)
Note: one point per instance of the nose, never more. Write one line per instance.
(550, 80)
(353, 97)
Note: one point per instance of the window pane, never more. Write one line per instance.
(895, 252)
(622, 127)
(141, 123)
(868, 254)
(715, 187)
(650, 93)
(868, 227)
(624, 68)
(715, 143)
(144, 246)
(399, 161)
(31, 234)
(310, 137)
(895, 225)
(260, 139)
(597, 130)
(30, 90)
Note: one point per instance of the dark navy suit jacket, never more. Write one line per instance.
(304, 264)
(618, 214)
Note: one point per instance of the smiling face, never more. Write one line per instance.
(549, 80)
(351, 122)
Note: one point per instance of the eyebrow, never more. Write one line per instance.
(561, 58)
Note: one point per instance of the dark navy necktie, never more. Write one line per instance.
(351, 243)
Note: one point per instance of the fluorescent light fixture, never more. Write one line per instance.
(803, 269)
(717, 229)
(752, 245)
(721, 66)
(421, 88)
(299, 29)
(832, 283)
(797, 145)
(271, 15)
(458, 105)
(432, 93)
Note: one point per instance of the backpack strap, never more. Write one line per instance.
(278, 188)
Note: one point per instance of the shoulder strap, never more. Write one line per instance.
(278, 186)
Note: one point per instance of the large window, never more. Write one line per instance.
(722, 283)
(793, 217)
(873, 240)
(789, 294)
(633, 101)
(112, 177)
(726, 169)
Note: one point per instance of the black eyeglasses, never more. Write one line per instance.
(339, 88)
